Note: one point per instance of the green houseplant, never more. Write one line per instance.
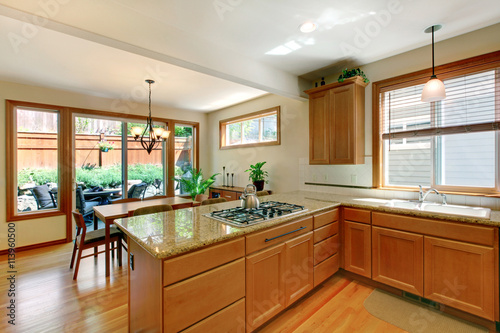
(352, 73)
(196, 184)
(257, 175)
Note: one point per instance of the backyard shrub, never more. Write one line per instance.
(110, 176)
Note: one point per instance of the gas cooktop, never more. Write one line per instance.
(245, 217)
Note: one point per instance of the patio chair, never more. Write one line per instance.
(85, 206)
(137, 190)
(44, 198)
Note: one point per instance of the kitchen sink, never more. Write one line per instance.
(440, 208)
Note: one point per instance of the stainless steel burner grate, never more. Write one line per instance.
(267, 210)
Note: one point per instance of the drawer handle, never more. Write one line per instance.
(286, 233)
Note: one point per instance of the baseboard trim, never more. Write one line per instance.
(34, 246)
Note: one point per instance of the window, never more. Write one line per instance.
(256, 129)
(451, 145)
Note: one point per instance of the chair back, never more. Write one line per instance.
(43, 197)
(137, 190)
(213, 201)
(156, 197)
(150, 210)
(80, 222)
(125, 200)
(80, 199)
(262, 193)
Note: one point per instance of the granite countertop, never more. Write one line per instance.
(172, 233)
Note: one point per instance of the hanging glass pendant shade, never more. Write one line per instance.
(150, 136)
(434, 89)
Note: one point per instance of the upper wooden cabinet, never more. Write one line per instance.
(337, 123)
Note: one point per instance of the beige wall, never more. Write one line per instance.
(461, 47)
(49, 229)
(282, 161)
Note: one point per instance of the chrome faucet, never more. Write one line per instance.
(422, 195)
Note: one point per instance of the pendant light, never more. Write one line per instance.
(151, 136)
(434, 88)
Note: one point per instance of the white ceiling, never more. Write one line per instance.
(209, 54)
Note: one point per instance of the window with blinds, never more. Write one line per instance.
(449, 144)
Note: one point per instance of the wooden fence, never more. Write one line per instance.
(39, 151)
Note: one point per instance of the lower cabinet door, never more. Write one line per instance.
(460, 275)
(265, 289)
(357, 248)
(398, 259)
(299, 272)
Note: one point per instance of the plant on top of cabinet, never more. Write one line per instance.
(257, 175)
(347, 73)
(193, 181)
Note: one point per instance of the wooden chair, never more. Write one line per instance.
(86, 240)
(125, 200)
(156, 197)
(262, 193)
(213, 201)
(150, 210)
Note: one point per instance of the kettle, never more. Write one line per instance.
(249, 199)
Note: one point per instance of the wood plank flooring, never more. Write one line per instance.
(48, 300)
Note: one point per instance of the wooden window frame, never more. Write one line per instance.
(250, 116)
(65, 137)
(462, 67)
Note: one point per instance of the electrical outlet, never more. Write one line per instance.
(354, 179)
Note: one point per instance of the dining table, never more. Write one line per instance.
(104, 194)
(108, 213)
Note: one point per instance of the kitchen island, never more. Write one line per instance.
(191, 272)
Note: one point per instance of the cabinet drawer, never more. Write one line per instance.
(197, 262)
(211, 291)
(229, 195)
(326, 248)
(326, 269)
(459, 231)
(357, 215)
(276, 235)
(325, 218)
(229, 319)
(325, 232)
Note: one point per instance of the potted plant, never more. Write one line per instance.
(352, 73)
(257, 175)
(105, 146)
(195, 184)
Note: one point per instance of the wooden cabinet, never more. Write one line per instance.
(357, 241)
(456, 264)
(298, 275)
(326, 245)
(230, 193)
(461, 275)
(336, 123)
(398, 259)
(277, 276)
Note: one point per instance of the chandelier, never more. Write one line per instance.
(151, 136)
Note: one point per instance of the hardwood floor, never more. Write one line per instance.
(48, 300)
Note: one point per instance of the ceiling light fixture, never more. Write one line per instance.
(308, 27)
(151, 136)
(434, 88)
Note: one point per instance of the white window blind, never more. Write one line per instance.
(472, 104)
